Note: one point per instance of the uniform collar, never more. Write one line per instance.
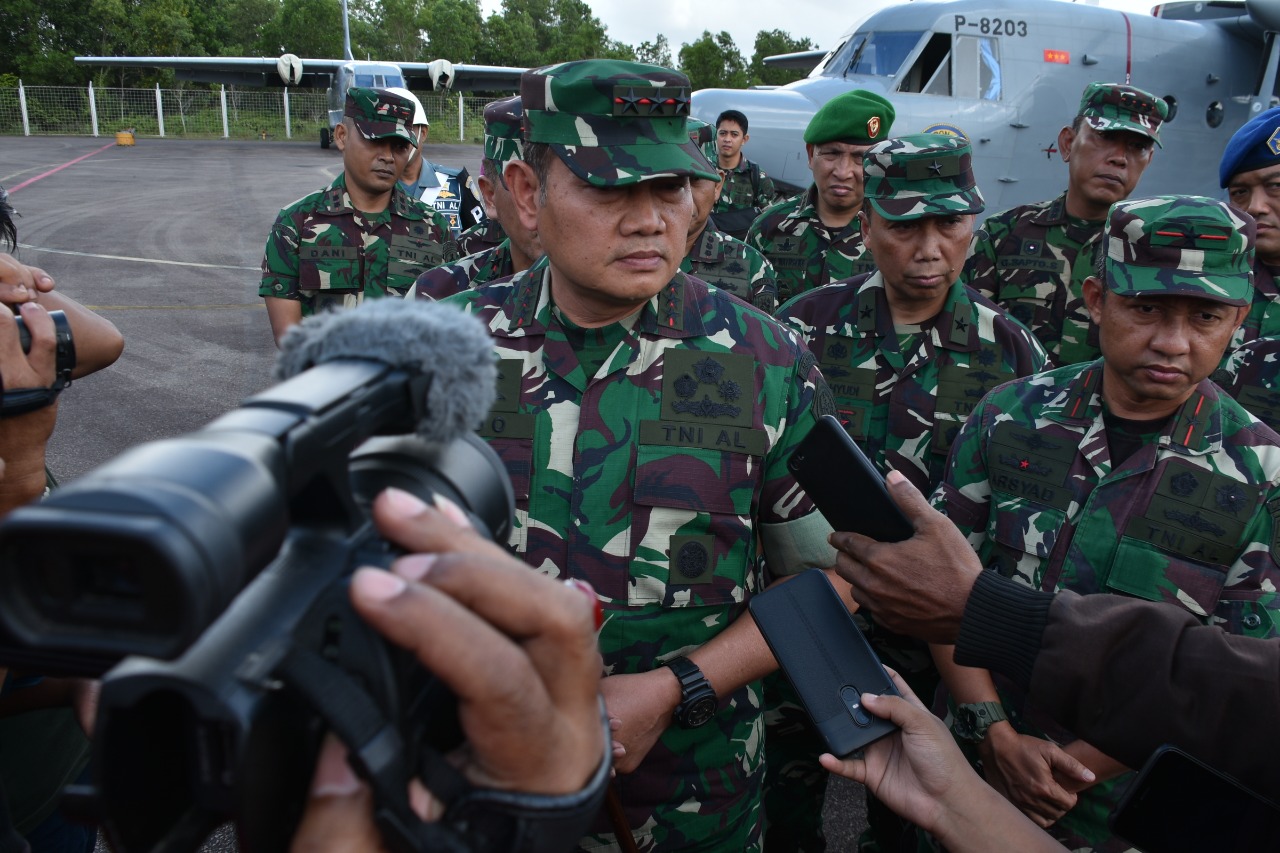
(1195, 429)
(675, 312)
(337, 201)
(955, 327)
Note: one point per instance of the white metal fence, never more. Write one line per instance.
(225, 112)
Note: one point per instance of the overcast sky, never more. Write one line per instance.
(683, 21)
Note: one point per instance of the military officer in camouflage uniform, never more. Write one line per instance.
(361, 237)
(719, 259)
(1132, 474)
(1032, 259)
(746, 189)
(908, 352)
(815, 238)
(518, 250)
(1250, 173)
(646, 419)
(1251, 374)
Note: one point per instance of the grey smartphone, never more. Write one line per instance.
(844, 485)
(826, 658)
(1179, 804)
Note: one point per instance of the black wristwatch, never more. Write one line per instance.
(697, 699)
(973, 720)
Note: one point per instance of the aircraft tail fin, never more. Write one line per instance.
(346, 33)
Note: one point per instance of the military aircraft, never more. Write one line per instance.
(337, 75)
(1008, 74)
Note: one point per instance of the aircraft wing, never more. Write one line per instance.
(805, 60)
(232, 70)
(465, 78)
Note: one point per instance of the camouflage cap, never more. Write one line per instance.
(703, 135)
(1111, 106)
(380, 114)
(419, 114)
(1180, 245)
(858, 117)
(613, 122)
(503, 124)
(926, 174)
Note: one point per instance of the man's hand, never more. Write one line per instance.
(23, 437)
(1025, 770)
(20, 283)
(918, 587)
(640, 710)
(920, 773)
(517, 648)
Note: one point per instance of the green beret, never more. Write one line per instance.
(858, 117)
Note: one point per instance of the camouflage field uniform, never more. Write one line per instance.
(1031, 261)
(805, 253)
(485, 234)
(325, 253)
(1251, 374)
(1263, 319)
(733, 266)
(465, 273)
(1186, 520)
(651, 480)
(740, 201)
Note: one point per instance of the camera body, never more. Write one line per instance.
(216, 565)
(66, 348)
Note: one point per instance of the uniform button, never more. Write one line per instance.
(1253, 620)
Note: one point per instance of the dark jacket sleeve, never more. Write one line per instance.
(1129, 675)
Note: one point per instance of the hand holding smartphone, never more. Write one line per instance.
(826, 658)
(844, 485)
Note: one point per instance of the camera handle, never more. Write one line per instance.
(377, 752)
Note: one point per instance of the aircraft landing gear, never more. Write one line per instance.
(324, 137)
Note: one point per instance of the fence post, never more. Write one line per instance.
(288, 129)
(462, 137)
(22, 104)
(159, 111)
(93, 110)
(222, 95)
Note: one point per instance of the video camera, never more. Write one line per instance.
(217, 564)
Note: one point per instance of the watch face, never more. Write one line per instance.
(700, 712)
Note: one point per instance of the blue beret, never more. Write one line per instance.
(1254, 146)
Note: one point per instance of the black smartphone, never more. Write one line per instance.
(844, 485)
(1178, 803)
(826, 659)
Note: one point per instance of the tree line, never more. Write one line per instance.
(39, 38)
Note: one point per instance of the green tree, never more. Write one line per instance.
(311, 28)
(656, 52)
(772, 43)
(539, 32)
(453, 30)
(714, 62)
(390, 29)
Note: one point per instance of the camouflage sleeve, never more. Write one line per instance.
(980, 267)
(1032, 356)
(756, 238)
(764, 284)
(768, 192)
(1249, 602)
(964, 495)
(280, 260)
(793, 533)
(442, 282)
(442, 232)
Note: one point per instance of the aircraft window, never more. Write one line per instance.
(1215, 114)
(931, 72)
(395, 81)
(1173, 107)
(821, 69)
(875, 54)
(364, 80)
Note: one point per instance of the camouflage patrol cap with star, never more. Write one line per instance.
(926, 174)
(1180, 246)
(1111, 106)
(380, 114)
(503, 122)
(858, 118)
(612, 122)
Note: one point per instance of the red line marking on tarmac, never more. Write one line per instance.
(60, 168)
